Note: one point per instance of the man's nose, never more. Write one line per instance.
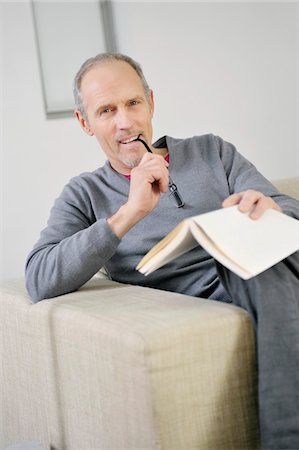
(124, 119)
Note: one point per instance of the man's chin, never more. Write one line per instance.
(131, 163)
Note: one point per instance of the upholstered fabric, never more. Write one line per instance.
(116, 366)
(289, 186)
(123, 367)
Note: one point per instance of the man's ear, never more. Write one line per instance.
(83, 123)
(151, 102)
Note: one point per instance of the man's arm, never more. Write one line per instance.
(69, 252)
(148, 180)
(73, 247)
(249, 188)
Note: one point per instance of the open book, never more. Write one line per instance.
(245, 246)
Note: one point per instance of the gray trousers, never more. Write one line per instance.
(272, 299)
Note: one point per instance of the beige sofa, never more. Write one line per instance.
(116, 366)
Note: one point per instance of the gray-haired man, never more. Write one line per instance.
(114, 215)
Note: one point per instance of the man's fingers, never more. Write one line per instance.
(232, 200)
(261, 206)
(152, 169)
(245, 200)
(153, 157)
(251, 201)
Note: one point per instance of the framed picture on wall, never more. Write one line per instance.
(67, 33)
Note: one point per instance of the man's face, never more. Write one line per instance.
(117, 110)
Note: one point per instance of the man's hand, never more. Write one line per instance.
(253, 201)
(148, 180)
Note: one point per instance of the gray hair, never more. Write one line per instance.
(92, 62)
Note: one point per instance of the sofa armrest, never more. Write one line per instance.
(288, 186)
(115, 366)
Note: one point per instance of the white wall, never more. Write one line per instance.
(1, 141)
(297, 82)
(222, 68)
(226, 68)
(40, 155)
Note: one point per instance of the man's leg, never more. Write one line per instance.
(272, 299)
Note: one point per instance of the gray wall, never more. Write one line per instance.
(225, 68)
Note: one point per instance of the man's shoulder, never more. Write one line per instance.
(84, 184)
(198, 140)
(204, 145)
(91, 177)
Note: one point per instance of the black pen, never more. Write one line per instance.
(172, 187)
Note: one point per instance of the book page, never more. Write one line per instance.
(214, 250)
(254, 245)
(176, 243)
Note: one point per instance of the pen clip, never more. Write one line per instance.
(174, 193)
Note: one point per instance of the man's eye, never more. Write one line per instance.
(134, 102)
(106, 110)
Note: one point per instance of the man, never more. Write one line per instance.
(110, 218)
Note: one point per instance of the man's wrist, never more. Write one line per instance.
(123, 220)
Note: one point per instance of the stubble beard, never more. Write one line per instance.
(131, 163)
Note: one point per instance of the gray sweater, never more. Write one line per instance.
(77, 241)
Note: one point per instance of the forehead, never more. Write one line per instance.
(110, 80)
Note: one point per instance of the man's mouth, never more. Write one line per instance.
(127, 141)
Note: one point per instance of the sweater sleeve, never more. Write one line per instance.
(243, 175)
(71, 249)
